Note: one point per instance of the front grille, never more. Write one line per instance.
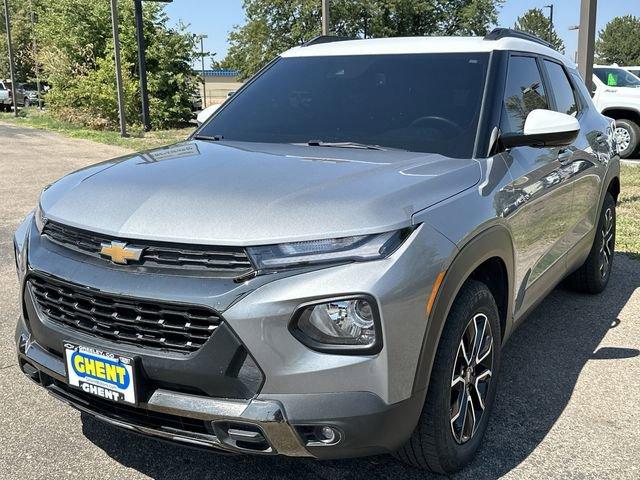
(145, 323)
(130, 414)
(223, 261)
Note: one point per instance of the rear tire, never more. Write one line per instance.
(593, 276)
(445, 440)
(627, 134)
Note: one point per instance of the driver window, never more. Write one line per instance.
(524, 92)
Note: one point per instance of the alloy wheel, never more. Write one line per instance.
(471, 376)
(623, 138)
(607, 245)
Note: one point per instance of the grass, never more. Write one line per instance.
(628, 219)
(32, 117)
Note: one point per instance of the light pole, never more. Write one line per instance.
(116, 55)
(201, 37)
(325, 17)
(575, 28)
(550, 7)
(14, 99)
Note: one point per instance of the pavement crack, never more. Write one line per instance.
(8, 366)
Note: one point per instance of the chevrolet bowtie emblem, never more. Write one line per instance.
(118, 252)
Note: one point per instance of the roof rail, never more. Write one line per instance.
(498, 33)
(326, 39)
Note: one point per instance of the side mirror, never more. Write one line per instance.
(544, 128)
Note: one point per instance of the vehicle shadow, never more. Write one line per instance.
(540, 367)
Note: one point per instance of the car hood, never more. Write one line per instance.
(235, 193)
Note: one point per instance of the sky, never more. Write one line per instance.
(215, 18)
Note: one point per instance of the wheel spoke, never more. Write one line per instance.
(458, 415)
(469, 423)
(482, 378)
(479, 337)
(457, 380)
(487, 350)
(463, 350)
(608, 247)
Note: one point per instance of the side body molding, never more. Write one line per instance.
(493, 242)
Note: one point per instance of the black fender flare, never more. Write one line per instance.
(613, 173)
(494, 242)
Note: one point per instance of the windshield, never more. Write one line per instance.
(418, 102)
(616, 77)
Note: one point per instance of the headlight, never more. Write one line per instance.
(349, 325)
(332, 250)
(40, 218)
(20, 243)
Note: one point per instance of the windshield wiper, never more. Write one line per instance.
(210, 138)
(362, 146)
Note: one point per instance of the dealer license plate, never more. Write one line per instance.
(101, 373)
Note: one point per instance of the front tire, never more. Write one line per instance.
(462, 387)
(627, 135)
(593, 276)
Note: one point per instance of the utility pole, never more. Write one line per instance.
(14, 99)
(142, 61)
(142, 65)
(116, 54)
(36, 66)
(550, 7)
(204, 81)
(325, 18)
(587, 40)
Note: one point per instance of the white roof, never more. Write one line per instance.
(400, 45)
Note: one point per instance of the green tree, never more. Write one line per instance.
(22, 35)
(276, 25)
(619, 41)
(534, 21)
(76, 53)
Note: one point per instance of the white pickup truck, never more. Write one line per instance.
(5, 97)
(616, 94)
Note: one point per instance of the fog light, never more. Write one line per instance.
(327, 435)
(349, 324)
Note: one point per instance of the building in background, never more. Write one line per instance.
(218, 85)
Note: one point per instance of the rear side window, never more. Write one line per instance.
(584, 97)
(562, 89)
(524, 92)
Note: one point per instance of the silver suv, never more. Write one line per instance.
(331, 265)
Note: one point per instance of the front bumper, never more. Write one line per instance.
(370, 400)
(255, 426)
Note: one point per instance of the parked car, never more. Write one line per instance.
(616, 94)
(6, 97)
(31, 90)
(330, 266)
(633, 69)
(204, 115)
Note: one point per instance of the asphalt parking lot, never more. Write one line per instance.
(567, 403)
